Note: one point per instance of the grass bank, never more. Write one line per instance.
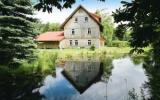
(48, 58)
(76, 54)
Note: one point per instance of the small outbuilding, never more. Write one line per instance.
(50, 40)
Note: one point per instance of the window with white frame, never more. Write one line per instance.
(73, 31)
(86, 19)
(89, 31)
(76, 20)
(76, 42)
(89, 42)
(70, 42)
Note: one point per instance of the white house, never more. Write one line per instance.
(81, 29)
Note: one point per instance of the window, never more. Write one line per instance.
(86, 19)
(73, 31)
(76, 20)
(70, 42)
(76, 42)
(89, 30)
(89, 42)
(89, 68)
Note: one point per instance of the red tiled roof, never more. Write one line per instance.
(50, 36)
(96, 17)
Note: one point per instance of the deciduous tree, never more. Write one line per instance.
(142, 16)
(47, 5)
(108, 25)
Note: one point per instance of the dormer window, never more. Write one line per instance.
(89, 31)
(73, 31)
(76, 20)
(86, 19)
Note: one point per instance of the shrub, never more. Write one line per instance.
(118, 43)
(92, 48)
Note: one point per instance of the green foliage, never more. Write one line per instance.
(51, 27)
(47, 5)
(120, 31)
(152, 70)
(15, 82)
(16, 31)
(45, 27)
(41, 28)
(117, 43)
(142, 16)
(46, 61)
(108, 26)
(127, 35)
(132, 95)
(92, 48)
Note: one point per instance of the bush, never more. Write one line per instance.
(118, 43)
(92, 48)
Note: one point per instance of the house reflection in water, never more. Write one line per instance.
(82, 74)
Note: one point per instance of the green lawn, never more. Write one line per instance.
(72, 52)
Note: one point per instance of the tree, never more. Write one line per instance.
(16, 31)
(142, 16)
(45, 27)
(108, 25)
(120, 32)
(153, 84)
(47, 5)
(41, 28)
(54, 27)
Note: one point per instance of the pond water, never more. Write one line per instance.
(111, 79)
(87, 80)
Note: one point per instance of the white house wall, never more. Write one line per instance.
(81, 31)
(83, 43)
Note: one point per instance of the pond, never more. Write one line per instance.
(118, 79)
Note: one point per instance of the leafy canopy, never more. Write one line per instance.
(47, 5)
(142, 16)
(48, 27)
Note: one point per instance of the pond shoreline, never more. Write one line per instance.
(48, 58)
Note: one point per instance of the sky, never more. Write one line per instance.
(58, 16)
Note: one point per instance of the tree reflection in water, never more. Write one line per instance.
(19, 86)
(153, 72)
(151, 88)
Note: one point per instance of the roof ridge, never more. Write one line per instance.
(80, 6)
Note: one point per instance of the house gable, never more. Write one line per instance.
(92, 16)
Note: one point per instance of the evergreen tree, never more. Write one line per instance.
(16, 31)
